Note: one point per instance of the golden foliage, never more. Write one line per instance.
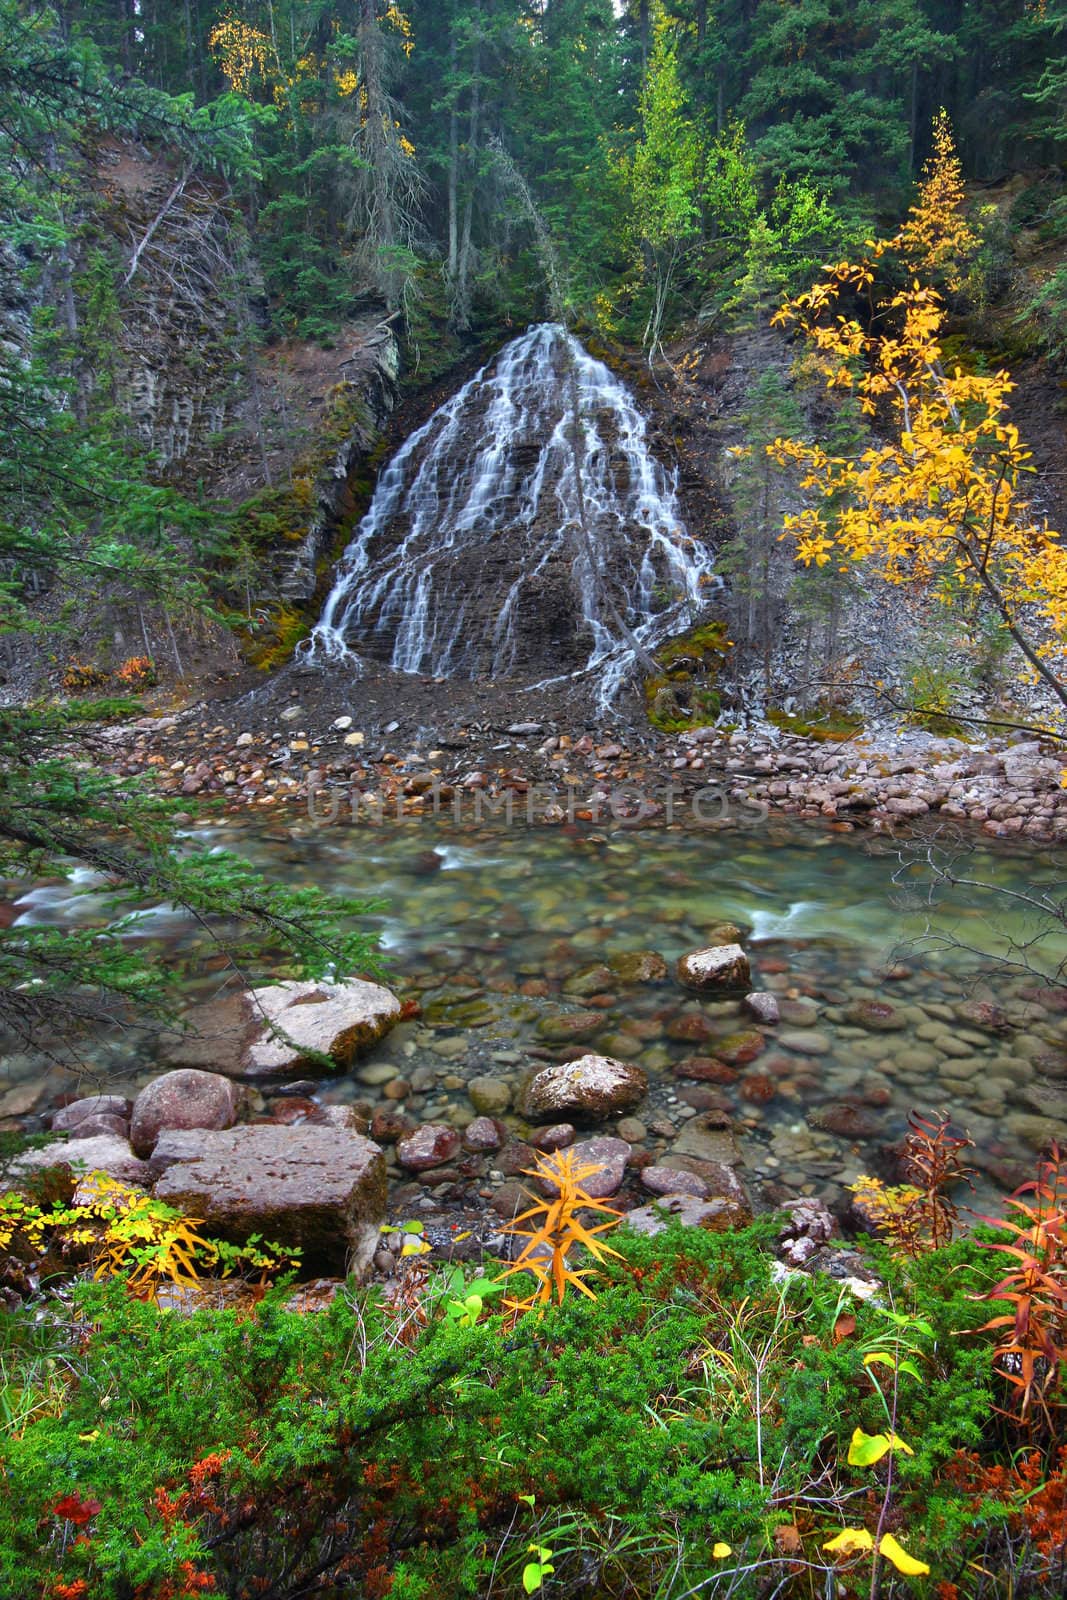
(557, 1230)
(241, 51)
(937, 238)
(126, 1232)
(939, 503)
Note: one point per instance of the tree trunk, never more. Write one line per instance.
(461, 315)
(453, 169)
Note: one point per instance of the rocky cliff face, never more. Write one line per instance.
(167, 320)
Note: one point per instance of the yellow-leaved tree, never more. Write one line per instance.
(936, 503)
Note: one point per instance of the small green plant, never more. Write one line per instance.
(536, 1571)
(124, 1232)
(896, 1350)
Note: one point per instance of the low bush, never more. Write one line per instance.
(692, 1430)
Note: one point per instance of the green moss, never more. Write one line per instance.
(274, 647)
(826, 724)
(684, 693)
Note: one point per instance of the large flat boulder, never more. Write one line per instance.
(286, 1029)
(321, 1188)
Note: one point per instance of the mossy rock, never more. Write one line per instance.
(683, 693)
(825, 724)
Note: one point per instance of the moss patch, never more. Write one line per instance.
(827, 724)
(684, 693)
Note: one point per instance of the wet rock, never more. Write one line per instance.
(589, 981)
(638, 966)
(186, 1098)
(483, 1134)
(432, 1145)
(593, 1086)
(701, 1097)
(690, 1027)
(757, 1088)
(105, 1105)
(738, 1049)
(709, 1138)
(669, 1180)
(846, 1121)
(318, 1188)
(609, 1156)
(557, 1137)
(574, 1028)
(763, 1006)
(516, 1157)
(877, 1016)
(706, 1069)
(335, 1020)
(798, 1012)
(717, 1215)
(490, 1097)
(984, 1015)
(806, 1043)
(510, 1200)
(632, 1129)
(103, 1153)
(624, 1046)
(388, 1125)
(719, 969)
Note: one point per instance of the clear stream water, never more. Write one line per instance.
(474, 915)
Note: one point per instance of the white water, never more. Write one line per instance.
(481, 505)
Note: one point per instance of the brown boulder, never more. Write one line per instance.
(94, 1105)
(320, 1188)
(429, 1146)
(719, 969)
(186, 1098)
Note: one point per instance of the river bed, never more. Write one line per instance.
(501, 932)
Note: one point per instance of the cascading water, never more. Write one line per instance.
(475, 560)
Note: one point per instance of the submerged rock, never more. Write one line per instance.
(638, 966)
(592, 1086)
(719, 968)
(877, 1016)
(490, 1097)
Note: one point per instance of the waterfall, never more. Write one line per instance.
(472, 561)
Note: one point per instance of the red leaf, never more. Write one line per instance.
(73, 1509)
(844, 1327)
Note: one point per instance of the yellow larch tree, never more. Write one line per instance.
(936, 503)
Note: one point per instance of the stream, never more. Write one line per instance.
(501, 932)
